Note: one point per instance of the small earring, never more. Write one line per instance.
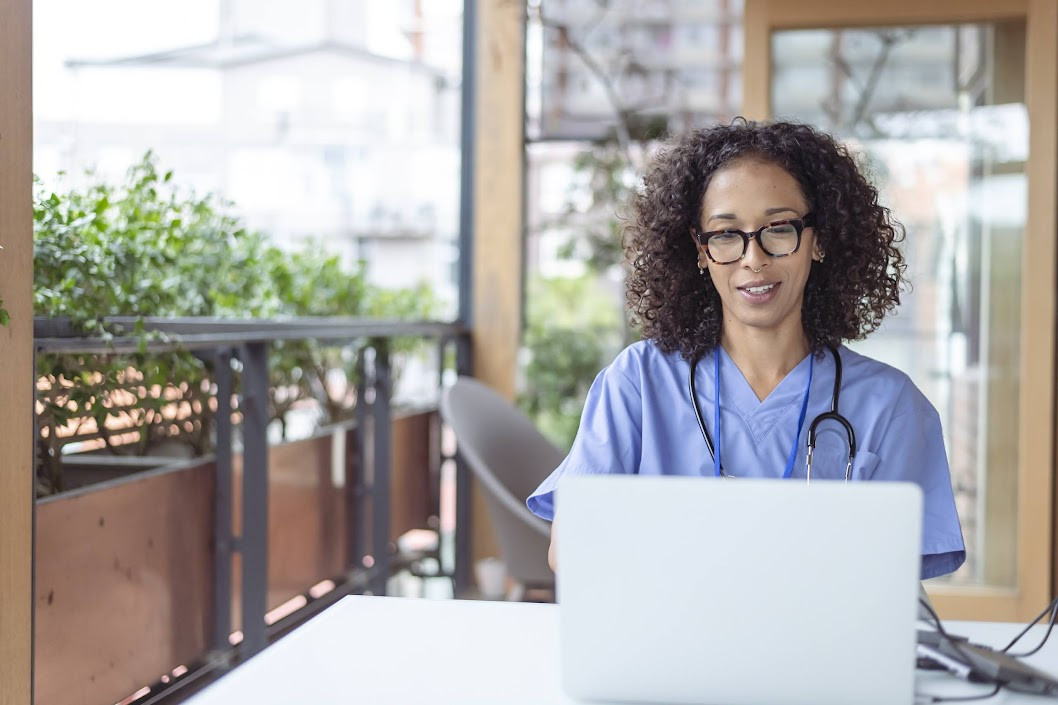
(822, 256)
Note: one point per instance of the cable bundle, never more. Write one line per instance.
(976, 663)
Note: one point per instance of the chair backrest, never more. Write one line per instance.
(509, 457)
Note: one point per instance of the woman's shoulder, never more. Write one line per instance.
(644, 355)
(870, 367)
(866, 375)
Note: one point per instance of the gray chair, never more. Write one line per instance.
(509, 457)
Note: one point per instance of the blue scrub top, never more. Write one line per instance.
(637, 419)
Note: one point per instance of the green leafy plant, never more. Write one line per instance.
(144, 248)
(148, 248)
(566, 346)
(313, 282)
(138, 249)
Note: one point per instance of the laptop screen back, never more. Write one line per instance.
(690, 590)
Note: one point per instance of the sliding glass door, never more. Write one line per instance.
(938, 109)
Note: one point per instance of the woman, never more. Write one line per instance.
(754, 250)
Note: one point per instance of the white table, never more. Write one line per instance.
(383, 650)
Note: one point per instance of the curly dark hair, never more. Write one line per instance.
(845, 298)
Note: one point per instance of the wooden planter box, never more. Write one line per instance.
(124, 569)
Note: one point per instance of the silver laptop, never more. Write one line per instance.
(738, 592)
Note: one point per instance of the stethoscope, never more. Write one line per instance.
(832, 415)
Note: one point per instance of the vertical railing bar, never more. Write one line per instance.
(223, 545)
(463, 547)
(442, 356)
(467, 169)
(435, 450)
(382, 453)
(446, 540)
(254, 539)
(357, 481)
(435, 459)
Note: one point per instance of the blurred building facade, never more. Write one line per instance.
(332, 120)
(674, 60)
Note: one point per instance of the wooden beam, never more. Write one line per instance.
(16, 353)
(864, 13)
(1036, 459)
(756, 60)
(498, 164)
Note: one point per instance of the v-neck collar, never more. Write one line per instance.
(737, 391)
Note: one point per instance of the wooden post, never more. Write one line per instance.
(1036, 485)
(16, 354)
(497, 250)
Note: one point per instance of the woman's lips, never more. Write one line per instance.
(759, 292)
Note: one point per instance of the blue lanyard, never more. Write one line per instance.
(800, 420)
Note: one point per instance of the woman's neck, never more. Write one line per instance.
(765, 357)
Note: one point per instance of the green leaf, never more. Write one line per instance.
(146, 246)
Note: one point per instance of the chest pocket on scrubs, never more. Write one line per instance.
(831, 456)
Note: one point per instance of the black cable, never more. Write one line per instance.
(1051, 609)
(940, 630)
(996, 687)
(959, 698)
(1050, 626)
(1029, 626)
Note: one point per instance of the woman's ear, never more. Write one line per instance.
(703, 262)
(817, 252)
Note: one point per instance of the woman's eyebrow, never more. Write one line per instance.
(769, 211)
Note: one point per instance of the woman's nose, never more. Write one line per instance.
(755, 258)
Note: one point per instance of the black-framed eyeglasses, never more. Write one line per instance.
(777, 239)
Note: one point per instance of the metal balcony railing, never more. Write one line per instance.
(245, 344)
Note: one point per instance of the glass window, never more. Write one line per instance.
(938, 116)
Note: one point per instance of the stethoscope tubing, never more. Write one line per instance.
(832, 415)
